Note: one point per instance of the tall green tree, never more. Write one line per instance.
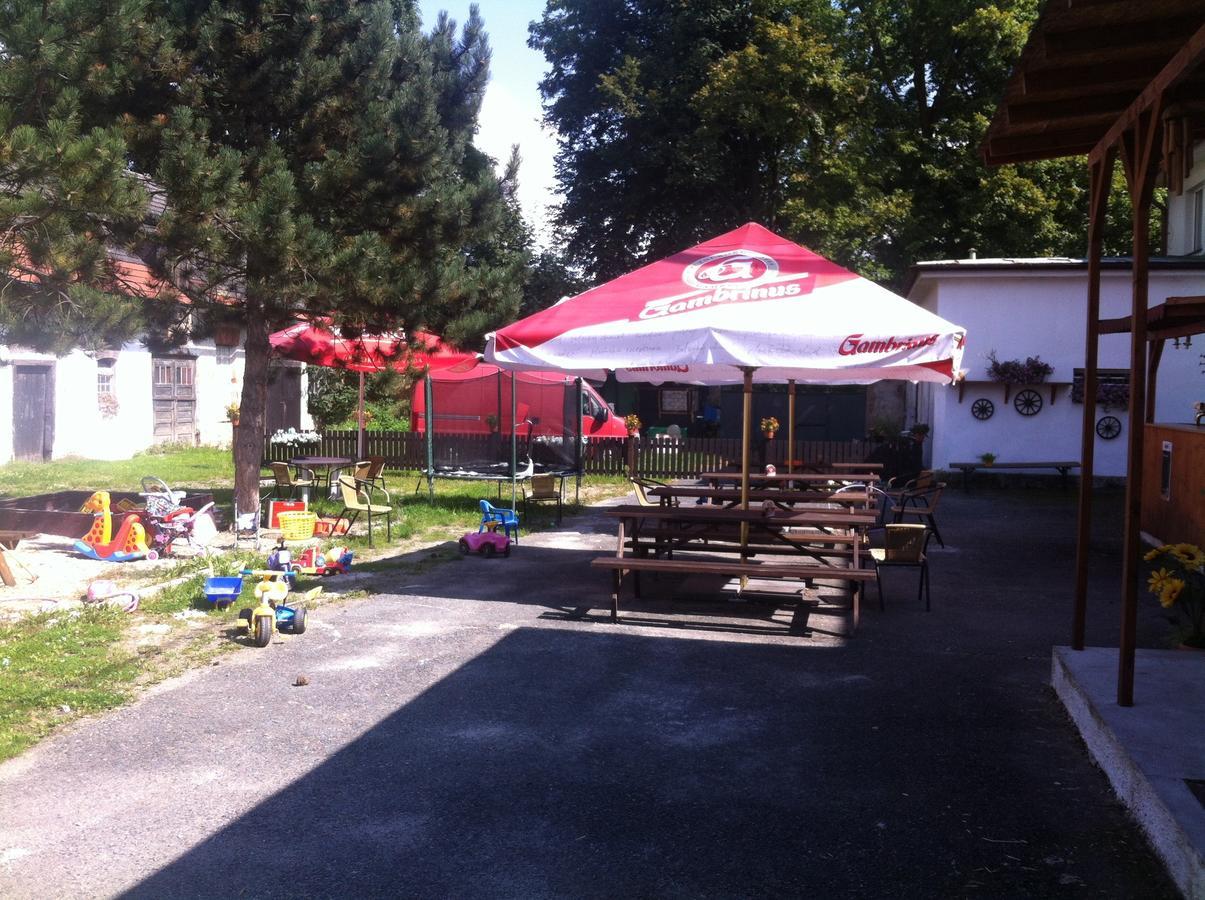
(317, 160)
(665, 131)
(853, 126)
(66, 195)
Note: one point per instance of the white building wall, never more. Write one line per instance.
(82, 430)
(1022, 314)
(6, 407)
(1180, 212)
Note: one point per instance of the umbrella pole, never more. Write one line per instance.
(514, 440)
(429, 415)
(790, 425)
(577, 451)
(746, 439)
(360, 422)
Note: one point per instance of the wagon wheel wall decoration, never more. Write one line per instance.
(1108, 427)
(1028, 403)
(983, 409)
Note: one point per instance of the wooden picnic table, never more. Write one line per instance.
(715, 530)
(728, 496)
(786, 478)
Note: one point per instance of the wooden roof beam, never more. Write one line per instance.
(1052, 77)
(1178, 68)
(1103, 38)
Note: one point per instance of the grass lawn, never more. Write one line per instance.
(55, 667)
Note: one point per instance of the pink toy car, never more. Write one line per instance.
(487, 543)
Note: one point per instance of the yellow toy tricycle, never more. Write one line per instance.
(271, 612)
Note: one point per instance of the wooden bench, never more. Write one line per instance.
(726, 540)
(968, 467)
(733, 569)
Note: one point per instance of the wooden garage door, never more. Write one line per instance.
(174, 395)
(284, 398)
(33, 412)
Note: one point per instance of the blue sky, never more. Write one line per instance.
(511, 111)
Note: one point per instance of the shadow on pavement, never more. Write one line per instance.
(590, 763)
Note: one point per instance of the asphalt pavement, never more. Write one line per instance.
(482, 730)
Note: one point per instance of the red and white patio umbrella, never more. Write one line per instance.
(319, 345)
(748, 299)
(747, 306)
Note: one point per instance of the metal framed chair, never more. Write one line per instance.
(372, 470)
(288, 482)
(923, 505)
(357, 498)
(641, 485)
(496, 516)
(903, 546)
(544, 489)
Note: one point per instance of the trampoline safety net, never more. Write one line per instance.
(472, 423)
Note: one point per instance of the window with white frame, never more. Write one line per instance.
(1196, 205)
(106, 390)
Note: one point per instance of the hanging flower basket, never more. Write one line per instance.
(769, 426)
(1010, 372)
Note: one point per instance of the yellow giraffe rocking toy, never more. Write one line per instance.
(100, 543)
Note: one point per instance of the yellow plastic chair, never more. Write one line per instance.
(357, 498)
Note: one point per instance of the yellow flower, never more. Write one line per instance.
(1171, 592)
(1192, 556)
(1158, 581)
(1154, 554)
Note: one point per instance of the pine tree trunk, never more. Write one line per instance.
(253, 411)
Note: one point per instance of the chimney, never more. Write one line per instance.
(974, 253)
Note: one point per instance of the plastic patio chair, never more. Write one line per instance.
(904, 545)
(544, 489)
(357, 498)
(507, 518)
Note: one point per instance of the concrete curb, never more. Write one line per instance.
(1162, 804)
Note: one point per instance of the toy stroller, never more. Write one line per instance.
(172, 522)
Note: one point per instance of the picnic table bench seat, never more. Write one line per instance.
(733, 569)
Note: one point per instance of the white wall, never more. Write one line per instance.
(6, 408)
(81, 429)
(1027, 313)
(1179, 208)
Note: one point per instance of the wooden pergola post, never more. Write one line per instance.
(1101, 178)
(1140, 158)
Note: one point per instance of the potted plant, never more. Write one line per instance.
(232, 411)
(987, 458)
(884, 429)
(1178, 580)
(632, 423)
(769, 426)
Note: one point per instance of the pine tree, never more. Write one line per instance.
(66, 195)
(317, 161)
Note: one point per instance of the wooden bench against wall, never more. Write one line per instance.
(969, 467)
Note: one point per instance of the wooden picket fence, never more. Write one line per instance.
(661, 458)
